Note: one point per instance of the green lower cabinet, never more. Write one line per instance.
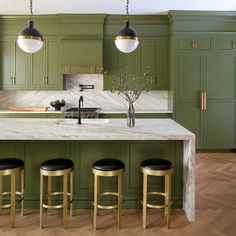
(137, 115)
(31, 115)
(219, 125)
(84, 153)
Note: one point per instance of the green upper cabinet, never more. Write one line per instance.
(83, 56)
(23, 71)
(150, 58)
(45, 69)
(13, 65)
(194, 42)
(226, 42)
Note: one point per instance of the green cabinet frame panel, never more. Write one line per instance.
(83, 56)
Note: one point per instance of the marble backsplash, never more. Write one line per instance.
(152, 100)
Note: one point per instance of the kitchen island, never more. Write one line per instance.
(36, 140)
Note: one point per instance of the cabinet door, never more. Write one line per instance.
(54, 80)
(6, 79)
(148, 60)
(189, 72)
(189, 115)
(20, 67)
(14, 70)
(38, 69)
(220, 75)
(111, 63)
(219, 125)
(162, 76)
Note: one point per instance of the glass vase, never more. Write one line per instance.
(131, 115)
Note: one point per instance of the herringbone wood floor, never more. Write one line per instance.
(215, 210)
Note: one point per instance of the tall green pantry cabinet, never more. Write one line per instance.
(203, 81)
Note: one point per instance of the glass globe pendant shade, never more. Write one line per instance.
(30, 39)
(126, 40)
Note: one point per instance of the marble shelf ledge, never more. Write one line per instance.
(122, 111)
(29, 112)
(113, 129)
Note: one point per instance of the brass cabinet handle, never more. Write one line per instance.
(234, 45)
(14, 80)
(196, 46)
(205, 101)
(193, 46)
(46, 79)
(202, 100)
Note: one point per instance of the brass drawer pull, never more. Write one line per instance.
(203, 101)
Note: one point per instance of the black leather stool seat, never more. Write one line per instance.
(57, 164)
(108, 164)
(10, 163)
(156, 164)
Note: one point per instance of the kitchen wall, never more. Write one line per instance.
(154, 100)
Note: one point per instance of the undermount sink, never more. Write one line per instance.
(83, 121)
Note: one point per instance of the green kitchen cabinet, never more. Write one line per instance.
(81, 56)
(213, 126)
(194, 42)
(45, 68)
(13, 65)
(150, 58)
(226, 42)
(31, 115)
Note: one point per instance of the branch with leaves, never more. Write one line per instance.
(130, 87)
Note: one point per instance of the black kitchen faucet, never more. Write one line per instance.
(81, 99)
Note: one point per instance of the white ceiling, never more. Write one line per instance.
(112, 6)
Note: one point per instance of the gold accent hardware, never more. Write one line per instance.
(97, 174)
(166, 194)
(46, 79)
(67, 195)
(204, 101)
(234, 45)
(30, 37)
(13, 192)
(196, 46)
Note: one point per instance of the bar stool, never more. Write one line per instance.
(107, 168)
(157, 167)
(52, 168)
(12, 166)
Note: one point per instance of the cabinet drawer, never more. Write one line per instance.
(194, 43)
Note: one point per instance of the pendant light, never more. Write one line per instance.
(126, 40)
(30, 39)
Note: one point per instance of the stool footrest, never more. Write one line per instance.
(56, 194)
(5, 206)
(158, 206)
(107, 207)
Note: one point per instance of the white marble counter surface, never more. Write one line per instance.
(113, 129)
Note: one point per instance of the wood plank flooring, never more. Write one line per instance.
(215, 210)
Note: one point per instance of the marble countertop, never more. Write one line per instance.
(91, 129)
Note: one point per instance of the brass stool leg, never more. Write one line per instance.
(0, 193)
(144, 200)
(41, 201)
(119, 199)
(13, 198)
(22, 192)
(65, 200)
(71, 193)
(168, 198)
(95, 201)
(49, 199)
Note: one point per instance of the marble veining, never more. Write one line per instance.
(152, 100)
(113, 129)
